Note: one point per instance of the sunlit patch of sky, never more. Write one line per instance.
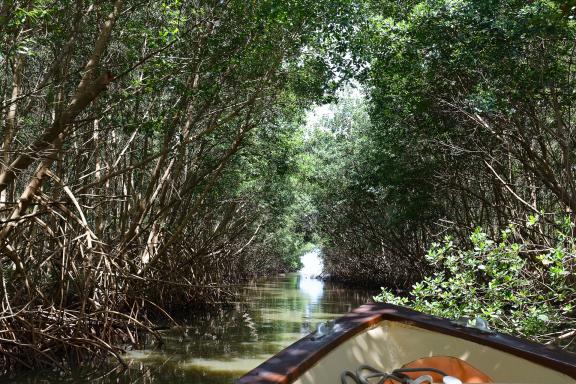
(318, 113)
(315, 115)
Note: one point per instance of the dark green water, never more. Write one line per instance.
(217, 348)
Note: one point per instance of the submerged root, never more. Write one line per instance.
(50, 338)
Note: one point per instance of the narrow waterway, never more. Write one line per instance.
(219, 347)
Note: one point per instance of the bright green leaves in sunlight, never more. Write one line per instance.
(498, 281)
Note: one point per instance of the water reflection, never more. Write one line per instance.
(218, 347)
(308, 283)
(311, 288)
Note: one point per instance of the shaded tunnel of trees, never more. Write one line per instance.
(157, 153)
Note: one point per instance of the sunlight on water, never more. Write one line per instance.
(311, 287)
(312, 265)
(238, 365)
(308, 282)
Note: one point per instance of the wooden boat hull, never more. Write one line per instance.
(387, 337)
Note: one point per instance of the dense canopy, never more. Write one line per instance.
(156, 153)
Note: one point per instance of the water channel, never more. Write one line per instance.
(218, 347)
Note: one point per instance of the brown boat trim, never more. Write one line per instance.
(289, 364)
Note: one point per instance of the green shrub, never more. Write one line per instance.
(519, 288)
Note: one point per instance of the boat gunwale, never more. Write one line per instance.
(289, 364)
